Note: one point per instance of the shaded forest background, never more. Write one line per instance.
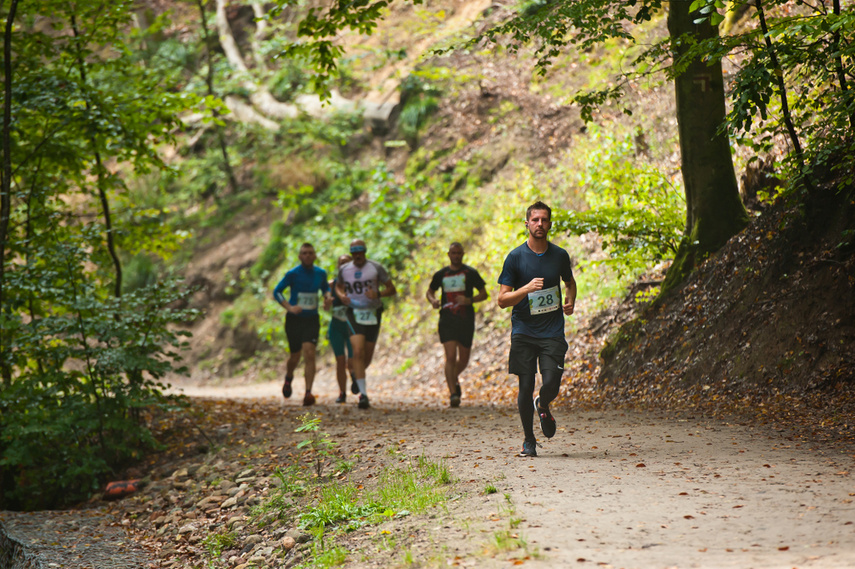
(162, 163)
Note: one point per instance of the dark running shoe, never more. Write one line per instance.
(286, 389)
(547, 421)
(308, 400)
(455, 397)
(363, 401)
(529, 449)
(342, 397)
(353, 387)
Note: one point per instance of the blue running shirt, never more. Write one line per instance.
(305, 283)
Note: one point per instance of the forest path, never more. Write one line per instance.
(611, 489)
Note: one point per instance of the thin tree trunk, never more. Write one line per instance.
(209, 82)
(841, 75)
(6, 183)
(102, 193)
(782, 93)
(258, 36)
(28, 235)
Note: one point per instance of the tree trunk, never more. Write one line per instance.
(209, 81)
(838, 66)
(6, 183)
(101, 179)
(714, 210)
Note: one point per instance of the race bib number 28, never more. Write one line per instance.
(543, 301)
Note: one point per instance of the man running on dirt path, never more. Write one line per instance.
(361, 284)
(456, 314)
(530, 282)
(302, 322)
(338, 335)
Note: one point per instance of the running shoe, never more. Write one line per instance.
(286, 389)
(547, 421)
(353, 387)
(363, 401)
(529, 449)
(455, 400)
(342, 397)
(308, 400)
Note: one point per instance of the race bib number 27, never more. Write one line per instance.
(365, 316)
(543, 301)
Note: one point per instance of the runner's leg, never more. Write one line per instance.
(462, 359)
(341, 372)
(293, 332)
(550, 387)
(309, 351)
(451, 373)
(293, 361)
(526, 409)
(522, 362)
(551, 363)
(357, 341)
(369, 355)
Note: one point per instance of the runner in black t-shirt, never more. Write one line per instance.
(531, 282)
(456, 315)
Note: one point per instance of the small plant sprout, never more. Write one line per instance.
(319, 444)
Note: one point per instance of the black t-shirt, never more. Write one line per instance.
(541, 314)
(454, 283)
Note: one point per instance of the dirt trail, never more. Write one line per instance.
(611, 489)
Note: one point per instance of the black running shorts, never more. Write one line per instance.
(527, 351)
(370, 331)
(452, 328)
(301, 329)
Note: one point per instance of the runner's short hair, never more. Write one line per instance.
(455, 244)
(307, 244)
(538, 205)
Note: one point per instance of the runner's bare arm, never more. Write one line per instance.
(481, 296)
(569, 296)
(510, 297)
(388, 289)
(342, 294)
(430, 295)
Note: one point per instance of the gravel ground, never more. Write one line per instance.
(637, 490)
(75, 539)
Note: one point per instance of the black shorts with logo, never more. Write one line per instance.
(453, 328)
(370, 331)
(301, 329)
(527, 352)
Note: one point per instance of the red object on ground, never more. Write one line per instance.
(116, 490)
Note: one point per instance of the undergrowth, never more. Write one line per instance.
(328, 507)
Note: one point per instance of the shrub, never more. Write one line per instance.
(87, 367)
